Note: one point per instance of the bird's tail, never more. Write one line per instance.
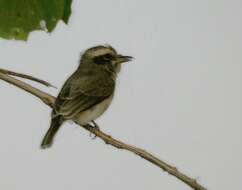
(49, 136)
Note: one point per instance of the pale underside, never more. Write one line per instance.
(94, 112)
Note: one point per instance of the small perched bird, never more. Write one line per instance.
(88, 92)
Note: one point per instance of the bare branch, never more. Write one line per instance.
(147, 156)
(46, 98)
(26, 77)
(49, 100)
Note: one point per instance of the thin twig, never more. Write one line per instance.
(49, 100)
(46, 98)
(27, 77)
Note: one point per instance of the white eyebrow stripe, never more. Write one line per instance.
(101, 52)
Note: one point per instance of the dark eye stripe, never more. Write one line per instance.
(99, 60)
(103, 59)
(108, 56)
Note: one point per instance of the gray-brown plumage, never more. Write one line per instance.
(89, 90)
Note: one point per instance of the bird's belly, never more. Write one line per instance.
(94, 112)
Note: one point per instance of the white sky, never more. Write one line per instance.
(181, 98)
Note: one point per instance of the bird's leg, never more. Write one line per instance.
(95, 125)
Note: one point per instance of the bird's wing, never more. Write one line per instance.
(81, 92)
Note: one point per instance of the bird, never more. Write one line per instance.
(88, 92)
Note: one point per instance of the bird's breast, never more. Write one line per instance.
(93, 112)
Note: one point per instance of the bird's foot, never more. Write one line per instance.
(95, 126)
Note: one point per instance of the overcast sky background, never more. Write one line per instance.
(181, 98)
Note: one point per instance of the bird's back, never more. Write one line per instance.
(85, 88)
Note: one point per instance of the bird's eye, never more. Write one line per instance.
(107, 56)
(103, 59)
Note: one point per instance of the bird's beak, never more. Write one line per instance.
(123, 59)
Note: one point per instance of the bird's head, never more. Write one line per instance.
(105, 57)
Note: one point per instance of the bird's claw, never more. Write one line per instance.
(95, 126)
(91, 135)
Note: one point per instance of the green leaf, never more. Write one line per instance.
(19, 17)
